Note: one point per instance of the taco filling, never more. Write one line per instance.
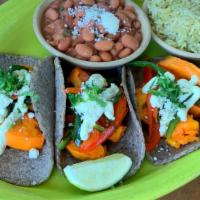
(168, 102)
(97, 109)
(19, 128)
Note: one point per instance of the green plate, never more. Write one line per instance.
(151, 182)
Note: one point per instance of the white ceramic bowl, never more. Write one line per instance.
(172, 50)
(146, 31)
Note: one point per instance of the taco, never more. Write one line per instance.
(95, 118)
(168, 104)
(26, 119)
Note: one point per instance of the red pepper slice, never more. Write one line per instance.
(148, 74)
(120, 109)
(96, 139)
(103, 121)
(154, 135)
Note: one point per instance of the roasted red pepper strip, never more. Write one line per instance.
(154, 135)
(103, 121)
(148, 74)
(120, 109)
(72, 90)
(96, 138)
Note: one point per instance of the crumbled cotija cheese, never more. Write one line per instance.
(33, 153)
(99, 16)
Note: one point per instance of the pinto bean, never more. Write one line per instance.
(130, 42)
(77, 40)
(68, 4)
(95, 58)
(52, 14)
(114, 52)
(55, 4)
(113, 37)
(122, 2)
(103, 5)
(48, 30)
(119, 46)
(64, 44)
(88, 2)
(124, 19)
(124, 53)
(138, 36)
(87, 35)
(114, 4)
(84, 50)
(129, 8)
(57, 37)
(104, 45)
(105, 56)
(129, 14)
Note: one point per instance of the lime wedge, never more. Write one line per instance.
(98, 174)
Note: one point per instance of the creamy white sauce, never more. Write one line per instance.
(190, 94)
(91, 111)
(19, 109)
(5, 101)
(110, 92)
(96, 80)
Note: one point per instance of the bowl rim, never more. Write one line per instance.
(88, 64)
(168, 47)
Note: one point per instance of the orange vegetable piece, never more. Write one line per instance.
(25, 135)
(98, 152)
(77, 76)
(72, 90)
(118, 133)
(184, 133)
(195, 111)
(141, 105)
(92, 140)
(180, 68)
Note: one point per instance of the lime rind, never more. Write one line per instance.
(98, 174)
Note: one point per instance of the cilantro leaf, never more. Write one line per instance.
(93, 94)
(167, 88)
(75, 99)
(9, 81)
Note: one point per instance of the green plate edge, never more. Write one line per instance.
(151, 182)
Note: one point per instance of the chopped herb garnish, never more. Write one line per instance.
(72, 134)
(99, 127)
(75, 99)
(172, 126)
(61, 146)
(93, 94)
(67, 32)
(167, 88)
(9, 81)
